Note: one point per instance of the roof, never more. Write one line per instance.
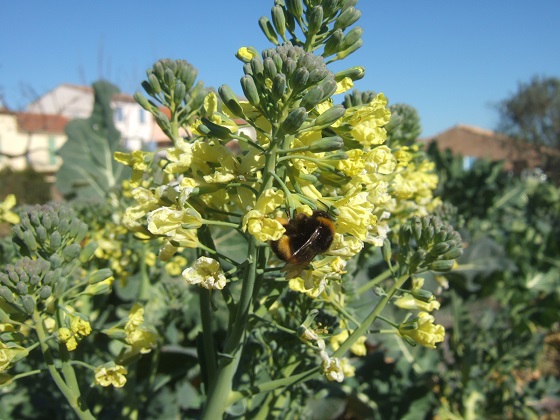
(464, 130)
(119, 97)
(49, 123)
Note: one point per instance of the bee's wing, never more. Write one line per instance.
(302, 257)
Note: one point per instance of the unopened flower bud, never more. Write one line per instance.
(71, 252)
(279, 20)
(100, 275)
(295, 7)
(333, 43)
(442, 265)
(60, 287)
(34, 280)
(268, 30)
(347, 18)
(29, 240)
(250, 90)
(7, 294)
(5, 279)
(22, 288)
(312, 98)
(315, 20)
(230, 100)
(453, 253)
(46, 292)
(327, 144)
(88, 251)
(63, 226)
(47, 221)
(423, 295)
(28, 304)
(41, 234)
(294, 121)
(54, 241)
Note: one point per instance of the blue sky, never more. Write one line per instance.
(451, 60)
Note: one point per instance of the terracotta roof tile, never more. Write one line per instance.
(41, 122)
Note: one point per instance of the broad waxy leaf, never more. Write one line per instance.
(89, 170)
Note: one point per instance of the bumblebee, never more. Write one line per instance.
(305, 238)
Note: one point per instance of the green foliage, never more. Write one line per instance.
(88, 170)
(505, 298)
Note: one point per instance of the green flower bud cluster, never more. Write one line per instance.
(28, 283)
(404, 127)
(322, 23)
(356, 98)
(172, 84)
(50, 240)
(428, 244)
(286, 84)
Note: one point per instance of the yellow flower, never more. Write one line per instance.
(207, 273)
(80, 327)
(345, 247)
(333, 370)
(141, 340)
(348, 370)
(10, 353)
(358, 348)
(344, 85)
(426, 332)
(368, 121)
(408, 301)
(355, 215)
(138, 160)
(380, 160)
(5, 214)
(135, 317)
(246, 54)
(67, 337)
(165, 220)
(111, 374)
(354, 164)
(175, 266)
(256, 221)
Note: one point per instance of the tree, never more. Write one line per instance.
(532, 115)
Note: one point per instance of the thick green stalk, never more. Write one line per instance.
(362, 329)
(71, 393)
(221, 389)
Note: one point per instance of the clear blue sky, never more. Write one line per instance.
(450, 60)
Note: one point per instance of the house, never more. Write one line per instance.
(31, 140)
(474, 143)
(72, 101)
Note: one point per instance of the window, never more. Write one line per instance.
(468, 162)
(142, 116)
(52, 150)
(118, 114)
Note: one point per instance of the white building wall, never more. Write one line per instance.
(134, 123)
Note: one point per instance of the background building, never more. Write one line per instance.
(134, 122)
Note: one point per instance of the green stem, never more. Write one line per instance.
(209, 356)
(362, 329)
(71, 394)
(276, 399)
(218, 396)
(144, 287)
(272, 385)
(374, 282)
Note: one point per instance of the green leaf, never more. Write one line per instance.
(89, 170)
